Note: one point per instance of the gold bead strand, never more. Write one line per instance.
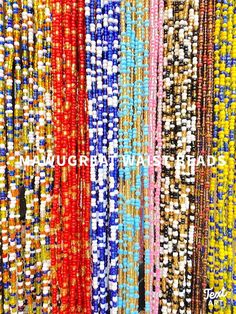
(124, 122)
(12, 191)
(27, 132)
(18, 145)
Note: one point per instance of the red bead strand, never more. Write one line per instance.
(72, 169)
(71, 274)
(85, 172)
(57, 100)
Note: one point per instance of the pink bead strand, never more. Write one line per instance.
(153, 58)
(158, 154)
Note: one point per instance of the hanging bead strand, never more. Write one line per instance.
(203, 150)
(102, 67)
(84, 182)
(133, 147)
(70, 221)
(221, 255)
(3, 196)
(153, 57)
(178, 136)
(55, 232)
(112, 89)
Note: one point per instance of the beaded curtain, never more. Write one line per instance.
(135, 89)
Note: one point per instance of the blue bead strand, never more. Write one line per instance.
(102, 87)
(92, 113)
(112, 136)
(133, 141)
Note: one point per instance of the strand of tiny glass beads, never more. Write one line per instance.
(203, 151)
(11, 210)
(113, 93)
(155, 124)
(3, 203)
(70, 221)
(153, 57)
(55, 232)
(26, 133)
(102, 47)
(6, 68)
(221, 251)
(158, 154)
(84, 181)
(43, 175)
(178, 138)
(61, 213)
(133, 143)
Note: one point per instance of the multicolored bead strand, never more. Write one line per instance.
(10, 300)
(3, 202)
(26, 126)
(134, 249)
(178, 142)
(221, 255)
(117, 156)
